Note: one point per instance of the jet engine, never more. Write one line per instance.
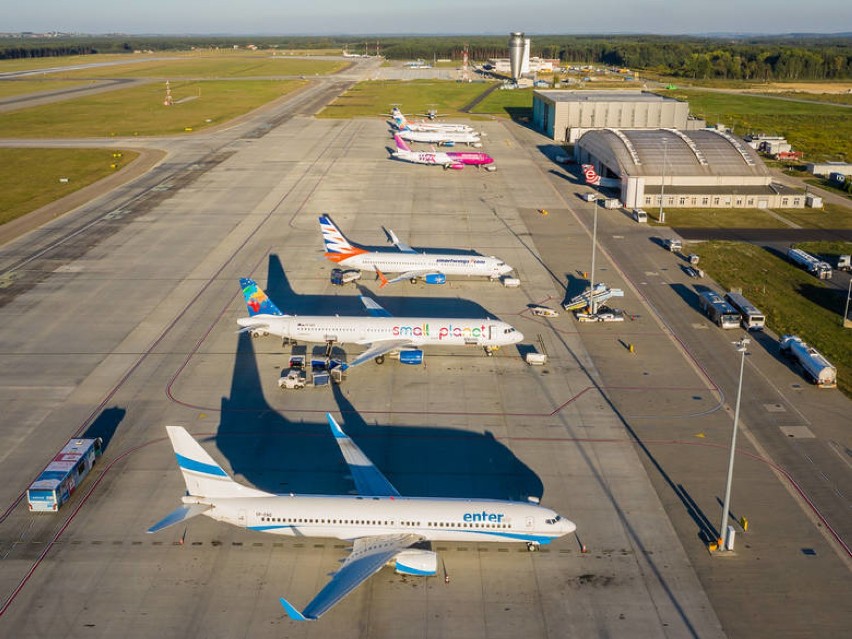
(435, 278)
(413, 356)
(421, 563)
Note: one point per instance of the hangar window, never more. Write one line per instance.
(705, 201)
(716, 201)
(785, 201)
(647, 200)
(682, 201)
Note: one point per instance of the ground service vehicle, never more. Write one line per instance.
(752, 318)
(812, 265)
(816, 367)
(69, 467)
(718, 310)
(844, 263)
(640, 216)
(672, 244)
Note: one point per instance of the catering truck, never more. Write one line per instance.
(816, 367)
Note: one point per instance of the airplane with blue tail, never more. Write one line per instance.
(382, 333)
(432, 268)
(384, 527)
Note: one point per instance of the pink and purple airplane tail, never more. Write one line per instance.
(400, 143)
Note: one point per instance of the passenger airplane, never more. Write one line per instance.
(381, 333)
(449, 160)
(438, 137)
(433, 268)
(401, 122)
(594, 179)
(382, 525)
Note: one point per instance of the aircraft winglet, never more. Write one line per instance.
(294, 614)
(382, 278)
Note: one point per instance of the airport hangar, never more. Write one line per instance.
(658, 152)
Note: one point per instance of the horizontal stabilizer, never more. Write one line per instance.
(187, 511)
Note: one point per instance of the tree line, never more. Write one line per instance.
(757, 59)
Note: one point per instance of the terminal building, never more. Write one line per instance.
(683, 169)
(566, 115)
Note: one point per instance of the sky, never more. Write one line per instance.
(356, 17)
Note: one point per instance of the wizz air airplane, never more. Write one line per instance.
(401, 123)
(594, 179)
(432, 268)
(381, 333)
(449, 160)
(382, 525)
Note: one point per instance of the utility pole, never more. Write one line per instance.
(741, 347)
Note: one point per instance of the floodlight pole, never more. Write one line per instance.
(592, 303)
(662, 216)
(846, 310)
(741, 347)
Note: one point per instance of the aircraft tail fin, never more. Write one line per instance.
(400, 143)
(591, 175)
(203, 476)
(257, 301)
(337, 246)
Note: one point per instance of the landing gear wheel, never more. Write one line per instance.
(532, 546)
(380, 359)
(413, 280)
(489, 351)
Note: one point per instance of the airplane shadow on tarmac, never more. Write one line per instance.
(277, 455)
(347, 303)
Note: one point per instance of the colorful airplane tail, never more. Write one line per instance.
(591, 175)
(257, 301)
(400, 143)
(337, 246)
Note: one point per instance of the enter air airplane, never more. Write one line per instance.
(432, 268)
(381, 333)
(442, 127)
(382, 525)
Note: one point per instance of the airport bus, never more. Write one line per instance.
(751, 317)
(718, 310)
(69, 467)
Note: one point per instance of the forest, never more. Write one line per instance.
(779, 58)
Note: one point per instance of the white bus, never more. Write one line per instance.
(752, 317)
(55, 484)
(718, 310)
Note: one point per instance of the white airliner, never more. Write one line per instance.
(455, 160)
(381, 333)
(402, 123)
(439, 137)
(433, 268)
(381, 524)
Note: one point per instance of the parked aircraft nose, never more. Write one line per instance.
(516, 337)
(568, 526)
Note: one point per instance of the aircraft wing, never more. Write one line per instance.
(379, 348)
(373, 307)
(368, 556)
(369, 480)
(187, 511)
(402, 246)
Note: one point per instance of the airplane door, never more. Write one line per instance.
(491, 335)
(241, 518)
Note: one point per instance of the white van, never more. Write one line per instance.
(640, 216)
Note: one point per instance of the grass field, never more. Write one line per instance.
(516, 103)
(376, 98)
(212, 66)
(36, 178)
(831, 217)
(32, 64)
(837, 98)
(140, 110)
(794, 301)
(820, 131)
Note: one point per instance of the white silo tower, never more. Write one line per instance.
(517, 42)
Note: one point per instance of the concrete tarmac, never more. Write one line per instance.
(135, 329)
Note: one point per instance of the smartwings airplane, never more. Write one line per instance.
(432, 268)
(381, 524)
(382, 333)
